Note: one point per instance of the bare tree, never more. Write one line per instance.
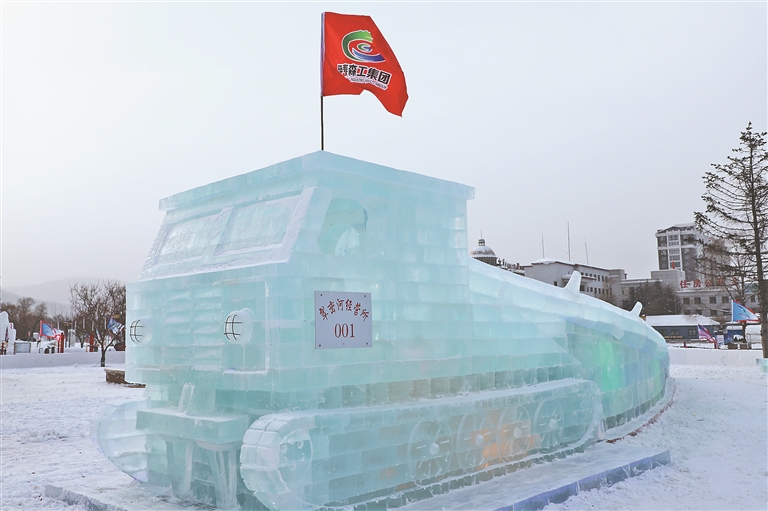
(93, 305)
(608, 295)
(736, 197)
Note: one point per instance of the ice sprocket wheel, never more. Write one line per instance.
(430, 449)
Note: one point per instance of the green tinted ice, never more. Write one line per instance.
(472, 371)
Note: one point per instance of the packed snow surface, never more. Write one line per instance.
(716, 430)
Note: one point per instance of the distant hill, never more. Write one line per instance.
(53, 307)
(55, 293)
(7, 296)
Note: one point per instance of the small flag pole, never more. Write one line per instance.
(322, 129)
(322, 62)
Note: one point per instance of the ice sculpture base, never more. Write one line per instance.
(602, 465)
(107, 494)
(550, 483)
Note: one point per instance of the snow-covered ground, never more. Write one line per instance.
(716, 430)
(45, 431)
(717, 434)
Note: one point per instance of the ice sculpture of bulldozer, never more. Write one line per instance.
(456, 373)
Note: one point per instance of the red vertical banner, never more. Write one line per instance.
(356, 57)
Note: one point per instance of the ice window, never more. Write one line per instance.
(186, 240)
(257, 225)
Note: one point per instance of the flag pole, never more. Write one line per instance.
(322, 129)
(322, 61)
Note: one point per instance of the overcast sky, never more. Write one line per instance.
(601, 115)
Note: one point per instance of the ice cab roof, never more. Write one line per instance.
(316, 163)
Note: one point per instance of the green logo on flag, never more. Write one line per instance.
(357, 47)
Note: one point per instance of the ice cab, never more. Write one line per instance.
(315, 334)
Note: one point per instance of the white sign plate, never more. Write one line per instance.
(343, 320)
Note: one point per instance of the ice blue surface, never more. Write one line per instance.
(470, 367)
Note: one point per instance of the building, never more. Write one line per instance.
(598, 282)
(485, 254)
(713, 301)
(678, 247)
(702, 298)
(682, 327)
(671, 278)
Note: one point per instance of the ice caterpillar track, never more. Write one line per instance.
(303, 460)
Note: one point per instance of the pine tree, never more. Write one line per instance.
(736, 217)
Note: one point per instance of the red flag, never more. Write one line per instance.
(356, 57)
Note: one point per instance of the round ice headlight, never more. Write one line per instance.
(238, 327)
(140, 330)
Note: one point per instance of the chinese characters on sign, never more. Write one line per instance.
(685, 284)
(343, 320)
(365, 74)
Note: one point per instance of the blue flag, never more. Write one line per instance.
(47, 330)
(741, 313)
(114, 326)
